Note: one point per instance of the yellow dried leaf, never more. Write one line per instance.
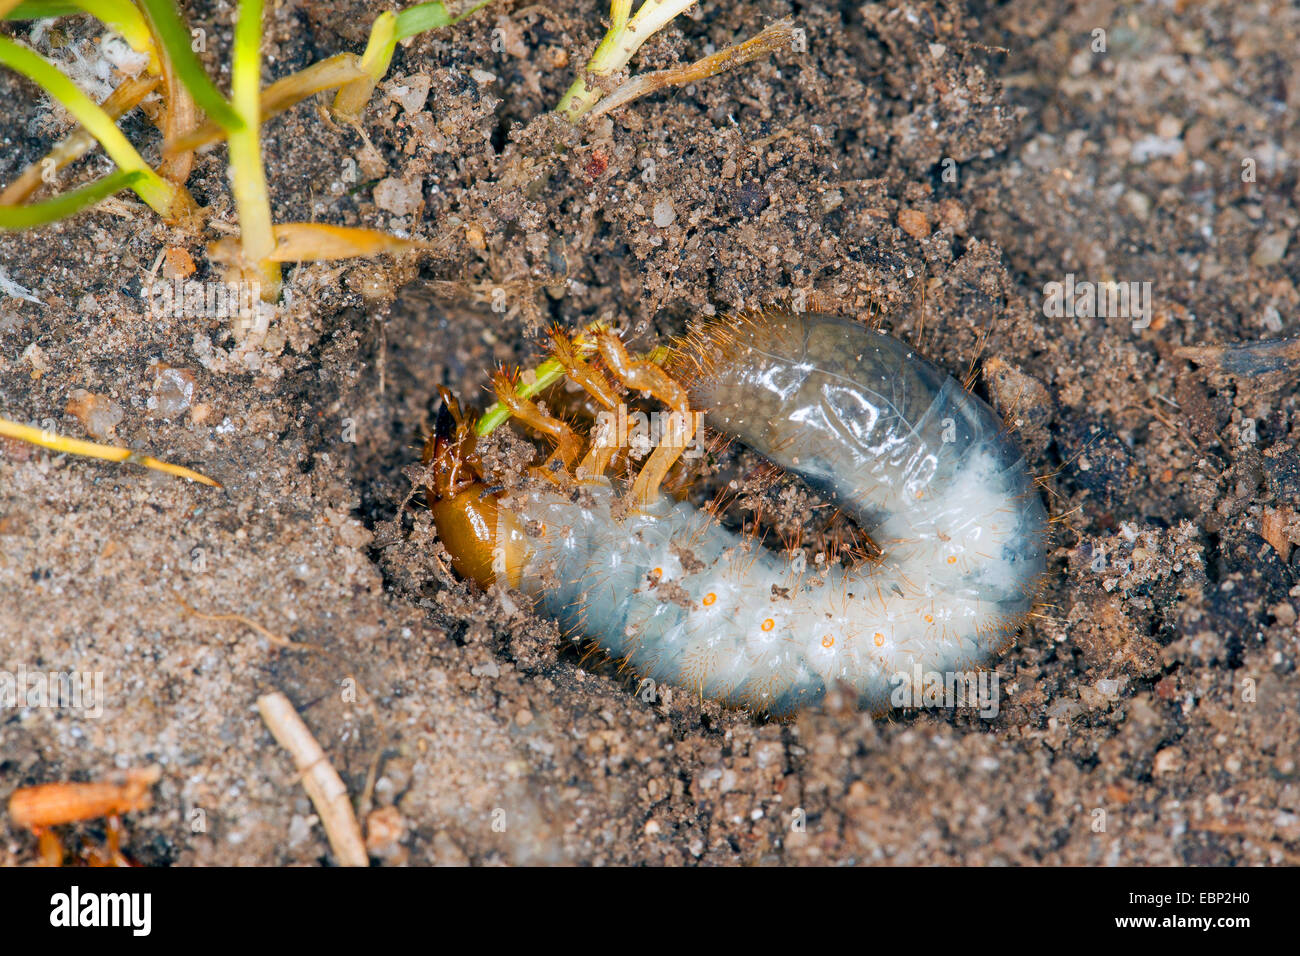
(311, 242)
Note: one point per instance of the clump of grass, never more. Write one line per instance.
(161, 195)
(624, 38)
(155, 27)
(625, 35)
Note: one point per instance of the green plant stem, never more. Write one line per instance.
(620, 44)
(388, 29)
(175, 39)
(548, 373)
(247, 176)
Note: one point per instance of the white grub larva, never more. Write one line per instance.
(922, 465)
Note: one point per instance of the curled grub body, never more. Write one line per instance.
(922, 465)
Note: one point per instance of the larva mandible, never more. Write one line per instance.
(924, 467)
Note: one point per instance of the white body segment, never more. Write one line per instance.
(921, 464)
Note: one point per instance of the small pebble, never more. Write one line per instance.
(952, 215)
(98, 414)
(411, 93)
(173, 390)
(1138, 203)
(385, 830)
(914, 223)
(300, 827)
(177, 264)
(398, 196)
(664, 213)
(1169, 760)
(1271, 249)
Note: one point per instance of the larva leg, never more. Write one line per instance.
(592, 380)
(111, 854)
(649, 377)
(597, 459)
(598, 386)
(567, 444)
(50, 848)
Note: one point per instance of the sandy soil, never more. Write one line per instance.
(1149, 716)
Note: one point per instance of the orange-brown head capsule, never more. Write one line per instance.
(465, 511)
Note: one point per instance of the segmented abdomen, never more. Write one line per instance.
(924, 467)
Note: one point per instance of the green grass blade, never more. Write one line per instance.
(550, 372)
(42, 10)
(546, 375)
(430, 16)
(424, 16)
(385, 33)
(61, 207)
(175, 39)
(151, 187)
(247, 175)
